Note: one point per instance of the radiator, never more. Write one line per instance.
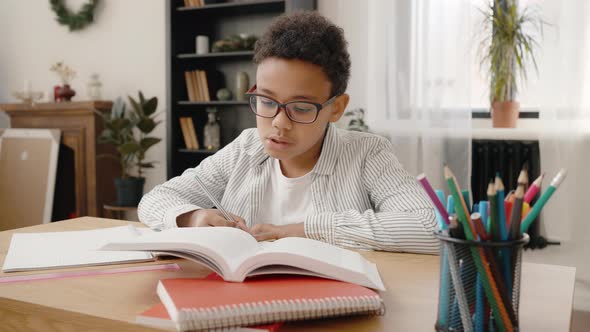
(507, 157)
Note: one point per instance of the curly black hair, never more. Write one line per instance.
(309, 37)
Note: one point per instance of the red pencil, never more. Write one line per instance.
(533, 189)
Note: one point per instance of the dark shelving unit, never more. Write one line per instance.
(217, 21)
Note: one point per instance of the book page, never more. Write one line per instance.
(33, 251)
(320, 258)
(220, 248)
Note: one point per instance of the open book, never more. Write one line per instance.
(234, 254)
(36, 251)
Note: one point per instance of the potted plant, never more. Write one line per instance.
(509, 44)
(128, 131)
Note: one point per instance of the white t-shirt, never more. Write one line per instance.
(286, 200)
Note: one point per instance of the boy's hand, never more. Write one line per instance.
(209, 217)
(268, 232)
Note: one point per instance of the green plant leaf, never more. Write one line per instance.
(129, 148)
(148, 142)
(150, 106)
(136, 106)
(146, 125)
(146, 165)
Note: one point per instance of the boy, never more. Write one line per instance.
(297, 174)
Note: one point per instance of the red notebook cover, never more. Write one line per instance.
(214, 303)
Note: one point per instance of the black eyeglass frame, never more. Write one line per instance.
(280, 105)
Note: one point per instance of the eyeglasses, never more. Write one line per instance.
(297, 111)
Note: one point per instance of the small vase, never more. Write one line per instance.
(212, 132)
(56, 96)
(66, 93)
(242, 82)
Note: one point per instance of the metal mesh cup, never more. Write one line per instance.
(479, 284)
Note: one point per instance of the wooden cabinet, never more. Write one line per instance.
(83, 177)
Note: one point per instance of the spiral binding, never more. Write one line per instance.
(274, 311)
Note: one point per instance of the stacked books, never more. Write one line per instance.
(257, 283)
(197, 87)
(194, 3)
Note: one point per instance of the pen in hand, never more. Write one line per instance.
(215, 202)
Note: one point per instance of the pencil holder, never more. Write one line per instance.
(479, 284)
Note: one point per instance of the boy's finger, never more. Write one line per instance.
(267, 236)
(218, 221)
(242, 225)
(238, 218)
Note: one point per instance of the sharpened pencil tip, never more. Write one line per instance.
(523, 177)
(491, 189)
(447, 172)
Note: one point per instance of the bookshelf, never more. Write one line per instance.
(217, 20)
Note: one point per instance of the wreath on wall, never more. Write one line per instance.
(75, 21)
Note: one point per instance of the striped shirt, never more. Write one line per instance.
(361, 196)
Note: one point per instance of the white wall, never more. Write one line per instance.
(352, 17)
(125, 45)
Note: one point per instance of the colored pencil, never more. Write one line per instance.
(501, 209)
(432, 195)
(516, 215)
(460, 205)
(493, 220)
(442, 224)
(533, 189)
(483, 211)
(523, 177)
(536, 209)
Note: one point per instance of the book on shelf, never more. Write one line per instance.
(197, 85)
(235, 254)
(209, 303)
(185, 133)
(193, 133)
(190, 88)
(204, 85)
(193, 3)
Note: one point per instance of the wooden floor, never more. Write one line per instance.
(580, 321)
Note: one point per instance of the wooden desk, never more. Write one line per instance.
(111, 302)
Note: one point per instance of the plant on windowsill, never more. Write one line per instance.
(510, 40)
(128, 131)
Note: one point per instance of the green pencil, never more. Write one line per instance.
(534, 212)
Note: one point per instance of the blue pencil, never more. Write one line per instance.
(501, 210)
(505, 254)
(483, 211)
(445, 285)
(445, 282)
(466, 198)
(479, 305)
(450, 204)
(439, 218)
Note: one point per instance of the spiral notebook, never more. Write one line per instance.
(158, 317)
(195, 304)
